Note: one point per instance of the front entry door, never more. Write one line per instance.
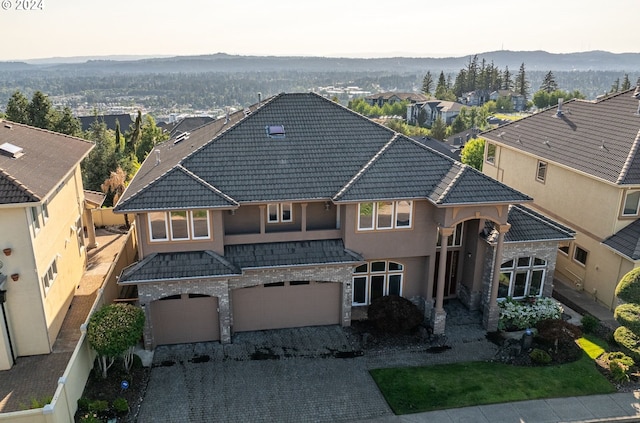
(451, 274)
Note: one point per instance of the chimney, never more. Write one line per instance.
(157, 157)
(559, 113)
(259, 97)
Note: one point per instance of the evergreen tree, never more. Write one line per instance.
(460, 85)
(441, 88)
(66, 123)
(522, 85)
(150, 134)
(134, 134)
(119, 139)
(507, 82)
(438, 129)
(615, 87)
(473, 153)
(472, 74)
(39, 111)
(626, 84)
(549, 83)
(427, 83)
(17, 108)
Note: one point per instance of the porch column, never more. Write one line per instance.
(224, 312)
(263, 218)
(491, 314)
(303, 218)
(438, 315)
(91, 228)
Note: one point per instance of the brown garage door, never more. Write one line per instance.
(286, 305)
(185, 318)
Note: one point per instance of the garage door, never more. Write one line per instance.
(185, 318)
(286, 305)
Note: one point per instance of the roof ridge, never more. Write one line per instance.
(364, 168)
(451, 184)
(629, 161)
(47, 131)
(22, 187)
(205, 183)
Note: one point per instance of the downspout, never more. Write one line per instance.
(3, 293)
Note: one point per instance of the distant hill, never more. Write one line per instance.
(221, 62)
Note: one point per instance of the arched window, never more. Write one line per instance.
(376, 279)
(522, 277)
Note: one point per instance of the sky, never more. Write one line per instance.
(330, 28)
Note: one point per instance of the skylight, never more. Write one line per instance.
(275, 131)
(13, 151)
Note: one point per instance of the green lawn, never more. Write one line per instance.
(417, 389)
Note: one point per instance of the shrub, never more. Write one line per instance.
(628, 289)
(90, 418)
(120, 405)
(589, 323)
(83, 404)
(628, 315)
(621, 357)
(525, 314)
(394, 314)
(99, 406)
(629, 341)
(539, 356)
(619, 371)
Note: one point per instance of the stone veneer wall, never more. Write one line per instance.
(221, 288)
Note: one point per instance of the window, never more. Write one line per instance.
(35, 219)
(580, 255)
(491, 153)
(45, 211)
(279, 213)
(455, 240)
(631, 202)
(522, 277)
(50, 276)
(376, 279)
(542, 172)
(384, 215)
(80, 233)
(564, 249)
(179, 225)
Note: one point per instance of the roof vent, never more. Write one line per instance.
(8, 125)
(247, 111)
(275, 131)
(183, 136)
(10, 150)
(560, 112)
(158, 161)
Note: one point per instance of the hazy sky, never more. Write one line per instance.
(348, 28)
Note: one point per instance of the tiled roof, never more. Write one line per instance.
(600, 138)
(187, 124)
(202, 264)
(626, 241)
(47, 158)
(124, 119)
(528, 225)
(416, 97)
(327, 152)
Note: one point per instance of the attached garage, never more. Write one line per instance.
(185, 318)
(286, 305)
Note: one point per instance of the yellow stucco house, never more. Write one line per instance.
(580, 162)
(42, 245)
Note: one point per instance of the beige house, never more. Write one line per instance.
(43, 251)
(273, 218)
(581, 164)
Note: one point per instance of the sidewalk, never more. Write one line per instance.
(36, 377)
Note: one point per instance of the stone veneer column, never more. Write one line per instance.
(491, 314)
(438, 315)
(224, 313)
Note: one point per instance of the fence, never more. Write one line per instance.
(106, 217)
(64, 404)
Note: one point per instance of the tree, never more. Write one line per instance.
(17, 108)
(422, 117)
(522, 85)
(615, 87)
(549, 83)
(115, 185)
(441, 87)
(472, 153)
(102, 160)
(150, 135)
(628, 314)
(39, 111)
(438, 129)
(132, 138)
(114, 331)
(626, 84)
(427, 83)
(507, 82)
(66, 123)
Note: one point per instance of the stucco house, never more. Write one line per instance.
(580, 161)
(42, 216)
(391, 97)
(275, 218)
(432, 110)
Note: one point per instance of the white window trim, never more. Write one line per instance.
(45, 211)
(34, 219)
(279, 212)
(624, 204)
(166, 228)
(490, 159)
(529, 270)
(545, 166)
(186, 216)
(193, 230)
(394, 216)
(50, 275)
(386, 274)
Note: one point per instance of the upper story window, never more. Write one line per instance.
(490, 153)
(45, 211)
(385, 215)
(179, 225)
(631, 203)
(455, 240)
(279, 213)
(34, 218)
(541, 174)
(51, 275)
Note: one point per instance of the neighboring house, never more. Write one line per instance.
(581, 164)
(42, 215)
(459, 140)
(518, 101)
(432, 110)
(475, 98)
(440, 146)
(109, 120)
(185, 125)
(391, 97)
(281, 218)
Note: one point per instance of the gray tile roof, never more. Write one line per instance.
(47, 159)
(327, 152)
(626, 241)
(528, 225)
(600, 138)
(202, 264)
